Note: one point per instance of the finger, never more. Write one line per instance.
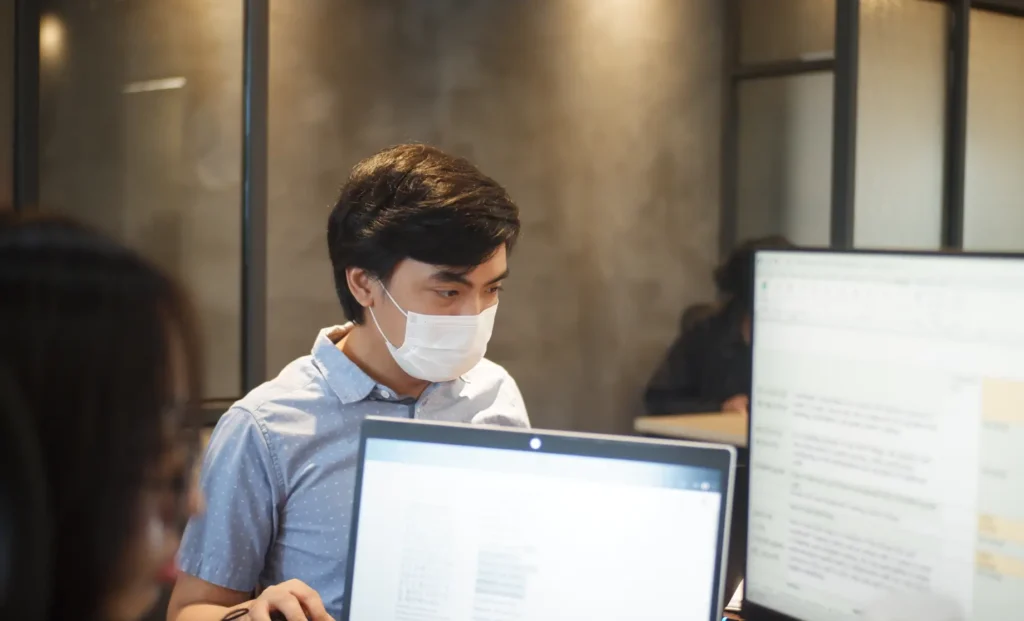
(311, 601)
(289, 606)
(259, 611)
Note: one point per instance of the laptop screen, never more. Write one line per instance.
(473, 533)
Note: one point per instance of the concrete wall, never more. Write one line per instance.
(602, 119)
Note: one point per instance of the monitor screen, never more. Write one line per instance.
(470, 533)
(887, 436)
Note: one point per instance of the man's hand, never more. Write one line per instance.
(293, 599)
(739, 404)
(194, 599)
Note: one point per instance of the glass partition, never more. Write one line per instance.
(783, 30)
(140, 137)
(785, 158)
(994, 183)
(901, 117)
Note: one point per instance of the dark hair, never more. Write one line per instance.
(416, 202)
(734, 278)
(91, 336)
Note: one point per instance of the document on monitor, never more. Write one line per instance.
(887, 423)
(475, 534)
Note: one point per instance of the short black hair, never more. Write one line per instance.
(416, 202)
(735, 277)
(90, 336)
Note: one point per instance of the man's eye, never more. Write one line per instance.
(451, 293)
(496, 289)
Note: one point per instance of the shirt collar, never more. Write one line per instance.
(345, 378)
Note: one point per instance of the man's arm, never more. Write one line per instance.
(223, 551)
(197, 600)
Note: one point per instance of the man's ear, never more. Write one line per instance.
(360, 283)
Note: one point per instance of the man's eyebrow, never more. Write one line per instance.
(451, 276)
(499, 278)
(459, 277)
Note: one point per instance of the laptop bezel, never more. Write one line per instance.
(720, 458)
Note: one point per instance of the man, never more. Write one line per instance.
(418, 242)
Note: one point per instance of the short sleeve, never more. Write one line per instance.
(228, 543)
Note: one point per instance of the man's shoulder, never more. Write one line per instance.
(300, 386)
(490, 374)
(489, 383)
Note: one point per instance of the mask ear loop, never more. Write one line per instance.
(390, 297)
(374, 316)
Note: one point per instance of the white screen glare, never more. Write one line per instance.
(887, 439)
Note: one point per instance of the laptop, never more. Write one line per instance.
(472, 523)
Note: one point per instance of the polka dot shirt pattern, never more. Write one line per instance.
(279, 472)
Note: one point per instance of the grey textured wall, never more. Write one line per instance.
(600, 116)
(602, 119)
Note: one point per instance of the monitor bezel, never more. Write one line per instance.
(752, 611)
(720, 458)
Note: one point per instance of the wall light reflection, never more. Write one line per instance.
(51, 38)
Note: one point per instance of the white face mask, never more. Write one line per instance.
(440, 348)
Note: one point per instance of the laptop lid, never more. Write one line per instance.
(472, 523)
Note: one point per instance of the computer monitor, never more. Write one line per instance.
(887, 435)
(467, 523)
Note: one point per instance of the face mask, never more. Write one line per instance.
(440, 348)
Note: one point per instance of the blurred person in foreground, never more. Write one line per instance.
(419, 243)
(99, 371)
(708, 368)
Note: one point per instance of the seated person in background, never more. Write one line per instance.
(99, 370)
(418, 242)
(708, 367)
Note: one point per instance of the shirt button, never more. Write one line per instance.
(386, 394)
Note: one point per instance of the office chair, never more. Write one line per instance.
(24, 513)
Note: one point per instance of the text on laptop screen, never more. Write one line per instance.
(478, 534)
(887, 435)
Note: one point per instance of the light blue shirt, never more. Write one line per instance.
(279, 472)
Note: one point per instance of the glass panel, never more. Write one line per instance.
(785, 158)
(140, 136)
(994, 185)
(901, 112)
(6, 104)
(773, 30)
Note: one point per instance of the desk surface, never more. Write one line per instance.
(723, 428)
